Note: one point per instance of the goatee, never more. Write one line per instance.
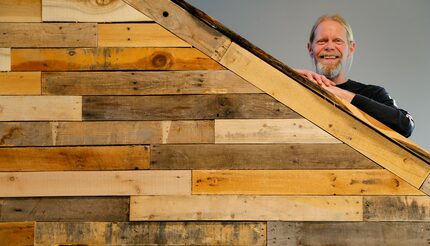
(329, 71)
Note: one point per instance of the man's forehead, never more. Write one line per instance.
(330, 27)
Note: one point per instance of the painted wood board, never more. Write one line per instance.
(300, 182)
(144, 83)
(257, 156)
(20, 83)
(183, 107)
(90, 11)
(397, 208)
(39, 108)
(97, 158)
(270, 131)
(20, 11)
(78, 59)
(5, 59)
(151, 233)
(94, 183)
(250, 208)
(16, 233)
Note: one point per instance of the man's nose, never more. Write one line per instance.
(329, 45)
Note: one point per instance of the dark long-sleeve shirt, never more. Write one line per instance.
(376, 102)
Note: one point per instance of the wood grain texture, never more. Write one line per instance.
(5, 59)
(397, 208)
(16, 83)
(300, 182)
(90, 11)
(426, 186)
(347, 233)
(94, 183)
(105, 133)
(183, 107)
(137, 35)
(270, 131)
(101, 158)
(258, 156)
(251, 208)
(78, 59)
(17, 233)
(39, 108)
(20, 11)
(65, 209)
(152, 233)
(48, 35)
(144, 83)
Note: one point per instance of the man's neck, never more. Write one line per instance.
(340, 79)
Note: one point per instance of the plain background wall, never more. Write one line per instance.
(393, 41)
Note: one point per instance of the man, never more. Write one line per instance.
(331, 47)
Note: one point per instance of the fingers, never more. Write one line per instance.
(318, 79)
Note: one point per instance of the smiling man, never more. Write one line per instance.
(331, 47)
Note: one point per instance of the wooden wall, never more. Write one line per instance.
(115, 131)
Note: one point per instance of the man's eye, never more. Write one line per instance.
(339, 41)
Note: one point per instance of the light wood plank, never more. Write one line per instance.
(152, 233)
(253, 208)
(397, 208)
(99, 158)
(33, 108)
(5, 59)
(426, 186)
(20, 11)
(312, 107)
(17, 83)
(17, 233)
(90, 11)
(94, 183)
(137, 35)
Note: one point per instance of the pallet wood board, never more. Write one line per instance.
(5, 59)
(20, 83)
(96, 158)
(16, 233)
(90, 11)
(92, 59)
(21, 11)
(144, 83)
(39, 108)
(95, 183)
(250, 208)
(258, 156)
(300, 182)
(397, 208)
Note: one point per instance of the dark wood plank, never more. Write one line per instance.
(184, 107)
(397, 208)
(65, 209)
(17, 233)
(258, 156)
(144, 83)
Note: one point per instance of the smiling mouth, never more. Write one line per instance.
(329, 57)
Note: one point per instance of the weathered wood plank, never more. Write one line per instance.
(99, 158)
(144, 83)
(258, 156)
(347, 233)
(137, 35)
(5, 59)
(152, 233)
(32, 108)
(20, 11)
(183, 107)
(17, 233)
(48, 35)
(426, 186)
(49, 59)
(90, 11)
(94, 183)
(184, 25)
(253, 208)
(17, 83)
(270, 131)
(300, 182)
(105, 133)
(65, 209)
(397, 208)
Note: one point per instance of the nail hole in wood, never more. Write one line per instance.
(165, 13)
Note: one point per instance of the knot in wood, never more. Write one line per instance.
(104, 2)
(161, 60)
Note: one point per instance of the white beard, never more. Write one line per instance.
(329, 72)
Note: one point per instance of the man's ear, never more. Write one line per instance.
(351, 48)
(310, 50)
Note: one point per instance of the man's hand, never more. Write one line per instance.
(319, 79)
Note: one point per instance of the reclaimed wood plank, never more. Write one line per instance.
(90, 11)
(94, 183)
(425, 187)
(252, 208)
(97, 158)
(48, 35)
(183, 107)
(17, 233)
(144, 83)
(20, 11)
(270, 131)
(397, 208)
(151, 233)
(300, 182)
(347, 233)
(20, 83)
(65, 209)
(39, 108)
(258, 156)
(78, 59)
(5, 59)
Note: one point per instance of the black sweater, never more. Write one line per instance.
(375, 101)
